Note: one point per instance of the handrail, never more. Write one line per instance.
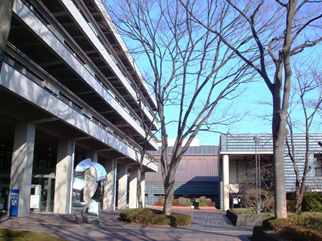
(92, 65)
(116, 132)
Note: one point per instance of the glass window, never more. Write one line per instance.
(318, 165)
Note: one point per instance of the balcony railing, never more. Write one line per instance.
(41, 77)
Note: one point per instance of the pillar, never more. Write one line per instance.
(122, 187)
(143, 188)
(49, 195)
(110, 185)
(226, 181)
(90, 176)
(133, 199)
(64, 177)
(22, 162)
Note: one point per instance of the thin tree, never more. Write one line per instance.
(5, 24)
(143, 152)
(191, 71)
(308, 97)
(276, 31)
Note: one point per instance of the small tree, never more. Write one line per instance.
(190, 70)
(265, 190)
(307, 96)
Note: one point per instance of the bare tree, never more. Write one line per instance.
(308, 97)
(190, 70)
(265, 189)
(5, 23)
(276, 31)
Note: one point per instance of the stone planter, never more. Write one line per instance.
(240, 220)
(259, 234)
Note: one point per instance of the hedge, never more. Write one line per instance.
(154, 217)
(312, 202)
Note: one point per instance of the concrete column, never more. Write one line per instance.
(122, 187)
(22, 162)
(49, 195)
(143, 188)
(93, 155)
(64, 177)
(110, 185)
(133, 199)
(226, 181)
(90, 176)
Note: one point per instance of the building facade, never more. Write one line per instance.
(240, 152)
(70, 90)
(197, 175)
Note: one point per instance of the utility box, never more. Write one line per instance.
(14, 201)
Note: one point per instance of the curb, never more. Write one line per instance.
(186, 208)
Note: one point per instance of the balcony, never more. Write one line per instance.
(70, 70)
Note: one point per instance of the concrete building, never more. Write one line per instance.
(197, 175)
(69, 90)
(237, 158)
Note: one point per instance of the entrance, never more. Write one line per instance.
(43, 187)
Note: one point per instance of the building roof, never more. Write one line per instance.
(203, 149)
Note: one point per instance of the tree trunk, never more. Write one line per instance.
(299, 200)
(5, 23)
(139, 189)
(169, 192)
(280, 195)
(279, 136)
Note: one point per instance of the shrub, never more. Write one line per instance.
(290, 205)
(308, 221)
(211, 204)
(312, 202)
(182, 200)
(161, 197)
(151, 216)
(202, 198)
(208, 200)
(175, 203)
(158, 203)
(203, 204)
(291, 195)
(298, 233)
(14, 234)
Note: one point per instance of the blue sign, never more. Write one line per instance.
(14, 201)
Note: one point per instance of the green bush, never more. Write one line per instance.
(312, 202)
(290, 195)
(299, 233)
(311, 221)
(14, 234)
(155, 217)
(203, 204)
(290, 205)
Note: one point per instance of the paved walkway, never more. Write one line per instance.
(206, 225)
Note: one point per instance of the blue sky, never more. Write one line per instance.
(251, 100)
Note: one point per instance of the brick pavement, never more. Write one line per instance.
(206, 225)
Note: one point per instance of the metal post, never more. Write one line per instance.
(257, 185)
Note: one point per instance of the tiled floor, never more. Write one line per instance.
(206, 225)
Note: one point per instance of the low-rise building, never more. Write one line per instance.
(197, 175)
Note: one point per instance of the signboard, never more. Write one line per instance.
(34, 201)
(14, 201)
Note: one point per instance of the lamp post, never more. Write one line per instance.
(257, 177)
